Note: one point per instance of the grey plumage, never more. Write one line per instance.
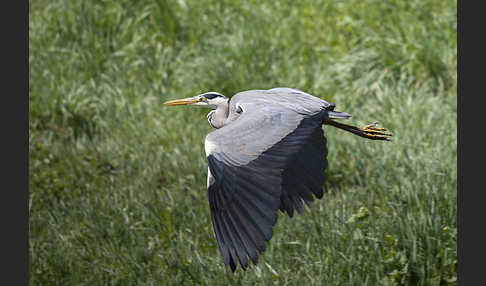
(258, 170)
(268, 153)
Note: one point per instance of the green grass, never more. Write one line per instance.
(118, 182)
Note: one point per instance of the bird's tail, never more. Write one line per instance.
(338, 114)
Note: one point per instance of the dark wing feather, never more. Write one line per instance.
(304, 174)
(270, 158)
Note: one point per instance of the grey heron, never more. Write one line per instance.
(268, 153)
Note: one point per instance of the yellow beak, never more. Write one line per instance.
(184, 101)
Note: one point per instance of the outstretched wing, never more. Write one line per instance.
(269, 158)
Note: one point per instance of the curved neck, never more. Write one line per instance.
(217, 117)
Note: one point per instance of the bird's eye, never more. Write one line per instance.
(239, 110)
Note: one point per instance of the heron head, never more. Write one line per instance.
(209, 99)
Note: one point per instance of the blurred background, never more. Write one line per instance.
(118, 182)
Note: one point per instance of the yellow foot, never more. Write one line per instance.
(373, 132)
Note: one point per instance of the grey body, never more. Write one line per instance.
(268, 116)
(268, 153)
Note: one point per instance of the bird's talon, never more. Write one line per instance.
(370, 126)
(377, 129)
(371, 131)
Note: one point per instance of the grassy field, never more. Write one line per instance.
(118, 182)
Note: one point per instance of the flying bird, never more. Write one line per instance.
(268, 153)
